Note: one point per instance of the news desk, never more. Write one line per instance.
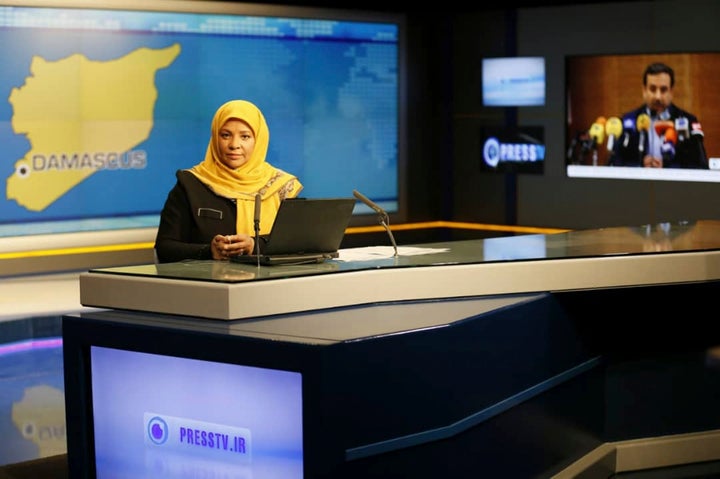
(515, 356)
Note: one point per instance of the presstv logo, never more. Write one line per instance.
(496, 152)
(188, 435)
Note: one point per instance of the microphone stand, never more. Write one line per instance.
(256, 226)
(257, 241)
(595, 154)
(384, 220)
(383, 217)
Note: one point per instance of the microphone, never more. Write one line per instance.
(597, 133)
(671, 135)
(662, 126)
(667, 149)
(613, 129)
(643, 125)
(697, 134)
(628, 127)
(256, 224)
(585, 143)
(256, 219)
(369, 203)
(682, 127)
(570, 155)
(382, 216)
(696, 131)
(597, 136)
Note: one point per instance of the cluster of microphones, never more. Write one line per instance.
(614, 129)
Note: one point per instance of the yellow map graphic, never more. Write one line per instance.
(74, 111)
(40, 418)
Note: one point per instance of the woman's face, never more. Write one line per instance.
(237, 142)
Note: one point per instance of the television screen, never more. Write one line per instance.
(610, 133)
(513, 81)
(207, 419)
(512, 149)
(103, 105)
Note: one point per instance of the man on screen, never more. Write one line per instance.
(659, 134)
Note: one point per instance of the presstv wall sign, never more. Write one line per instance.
(513, 150)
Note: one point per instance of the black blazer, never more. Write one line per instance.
(191, 217)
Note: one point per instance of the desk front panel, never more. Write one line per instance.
(395, 379)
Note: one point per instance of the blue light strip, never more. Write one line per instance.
(30, 345)
(469, 421)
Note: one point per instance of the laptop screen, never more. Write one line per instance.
(309, 226)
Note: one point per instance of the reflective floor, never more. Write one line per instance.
(32, 395)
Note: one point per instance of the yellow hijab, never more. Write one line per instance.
(255, 176)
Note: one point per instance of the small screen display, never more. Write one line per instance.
(164, 416)
(513, 81)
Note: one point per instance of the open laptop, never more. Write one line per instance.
(306, 230)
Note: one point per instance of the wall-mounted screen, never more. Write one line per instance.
(513, 149)
(207, 419)
(513, 81)
(103, 105)
(619, 128)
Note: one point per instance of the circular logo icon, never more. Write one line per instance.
(157, 430)
(491, 152)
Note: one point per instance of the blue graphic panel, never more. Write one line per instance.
(329, 90)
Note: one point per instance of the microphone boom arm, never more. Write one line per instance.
(383, 217)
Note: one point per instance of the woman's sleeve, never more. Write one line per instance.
(172, 242)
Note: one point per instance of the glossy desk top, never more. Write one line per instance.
(607, 257)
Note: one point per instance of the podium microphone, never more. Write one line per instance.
(697, 131)
(256, 225)
(643, 125)
(613, 129)
(662, 126)
(682, 126)
(382, 216)
(597, 134)
(667, 149)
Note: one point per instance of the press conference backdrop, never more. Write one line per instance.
(104, 105)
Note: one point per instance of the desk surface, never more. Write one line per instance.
(663, 253)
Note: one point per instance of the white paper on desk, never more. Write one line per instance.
(378, 252)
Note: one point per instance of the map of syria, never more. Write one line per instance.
(80, 117)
